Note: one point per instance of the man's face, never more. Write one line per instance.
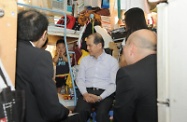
(93, 49)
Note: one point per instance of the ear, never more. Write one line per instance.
(100, 45)
(131, 49)
(44, 35)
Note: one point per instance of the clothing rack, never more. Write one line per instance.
(58, 12)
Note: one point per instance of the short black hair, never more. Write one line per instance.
(31, 25)
(60, 41)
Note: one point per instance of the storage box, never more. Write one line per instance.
(59, 5)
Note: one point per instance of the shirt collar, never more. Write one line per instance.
(101, 57)
(32, 44)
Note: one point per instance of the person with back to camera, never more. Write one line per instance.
(61, 62)
(136, 84)
(96, 79)
(134, 20)
(34, 72)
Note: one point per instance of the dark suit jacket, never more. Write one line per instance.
(34, 72)
(136, 92)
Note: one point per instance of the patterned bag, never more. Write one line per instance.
(12, 103)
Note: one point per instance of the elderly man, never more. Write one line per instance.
(96, 79)
(136, 83)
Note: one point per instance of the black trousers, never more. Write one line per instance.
(79, 117)
(102, 108)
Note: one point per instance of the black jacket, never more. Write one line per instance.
(136, 92)
(34, 72)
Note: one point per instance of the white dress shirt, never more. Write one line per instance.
(98, 73)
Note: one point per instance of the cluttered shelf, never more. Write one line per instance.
(52, 28)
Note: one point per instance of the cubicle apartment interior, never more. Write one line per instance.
(51, 44)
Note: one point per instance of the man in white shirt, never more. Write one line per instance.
(96, 79)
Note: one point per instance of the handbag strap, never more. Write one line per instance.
(2, 75)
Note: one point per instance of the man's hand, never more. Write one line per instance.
(91, 98)
(96, 98)
(87, 97)
(70, 112)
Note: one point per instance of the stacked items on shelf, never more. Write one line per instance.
(59, 31)
(106, 23)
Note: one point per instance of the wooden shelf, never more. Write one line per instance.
(59, 31)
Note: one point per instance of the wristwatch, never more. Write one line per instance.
(99, 98)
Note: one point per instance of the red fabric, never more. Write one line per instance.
(3, 120)
(77, 54)
(70, 21)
